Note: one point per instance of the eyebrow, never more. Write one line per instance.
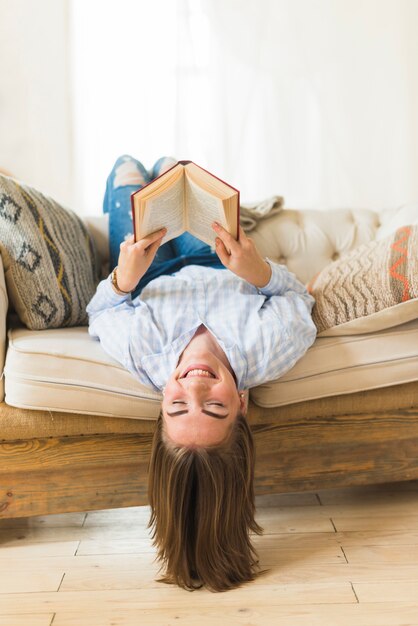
(219, 417)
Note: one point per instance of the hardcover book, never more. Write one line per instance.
(185, 198)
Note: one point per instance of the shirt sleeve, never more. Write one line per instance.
(286, 324)
(282, 281)
(110, 318)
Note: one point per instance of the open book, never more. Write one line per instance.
(185, 198)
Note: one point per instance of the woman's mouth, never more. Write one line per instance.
(195, 370)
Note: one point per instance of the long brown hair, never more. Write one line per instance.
(202, 510)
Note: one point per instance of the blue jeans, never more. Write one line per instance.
(171, 256)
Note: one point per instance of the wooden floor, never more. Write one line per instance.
(339, 558)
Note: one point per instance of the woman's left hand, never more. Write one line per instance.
(242, 257)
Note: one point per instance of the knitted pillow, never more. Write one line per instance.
(373, 287)
(50, 260)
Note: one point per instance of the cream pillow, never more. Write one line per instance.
(373, 287)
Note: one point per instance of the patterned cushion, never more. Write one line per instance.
(50, 261)
(373, 287)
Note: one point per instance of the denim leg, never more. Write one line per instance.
(170, 257)
(117, 202)
(162, 165)
(195, 252)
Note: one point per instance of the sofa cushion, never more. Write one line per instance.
(375, 286)
(346, 364)
(50, 260)
(67, 370)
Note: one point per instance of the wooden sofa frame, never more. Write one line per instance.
(78, 462)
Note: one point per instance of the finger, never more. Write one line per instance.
(226, 237)
(152, 249)
(221, 251)
(242, 234)
(149, 239)
(126, 242)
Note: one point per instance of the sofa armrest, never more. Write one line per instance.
(4, 303)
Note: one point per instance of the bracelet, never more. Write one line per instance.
(114, 280)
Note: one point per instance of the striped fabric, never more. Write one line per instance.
(370, 278)
(50, 261)
(263, 332)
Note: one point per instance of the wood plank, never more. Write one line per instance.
(138, 515)
(395, 613)
(300, 569)
(405, 591)
(284, 521)
(286, 499)
(138, 544)
(381, 507)
(356, 493)
(139, 532)
(313, 453)
(39, 619)
(73, 474)
(13, 537)
(393, 555)
(377, 538)
(379, 523)
(28, 580)
(174, 597)
(59, 519)
(143, 574)
(54, 453)
(24, 550)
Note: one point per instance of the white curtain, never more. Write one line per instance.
(315, 100)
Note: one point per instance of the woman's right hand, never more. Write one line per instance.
(136, 257)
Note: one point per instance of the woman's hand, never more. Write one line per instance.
(242, 257)
(135, 258)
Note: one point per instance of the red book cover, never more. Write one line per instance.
(164, 173)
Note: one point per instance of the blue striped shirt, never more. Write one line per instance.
(263, 332)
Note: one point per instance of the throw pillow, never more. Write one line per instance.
(50, 260)
(373, 287)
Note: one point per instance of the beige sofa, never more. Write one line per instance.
(76, 428)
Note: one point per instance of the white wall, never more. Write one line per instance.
(315, 100)
(35, 122)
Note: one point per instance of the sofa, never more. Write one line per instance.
(76, 428)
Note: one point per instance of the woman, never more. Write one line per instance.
(202, 327)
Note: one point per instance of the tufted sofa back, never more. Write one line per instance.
(303, 240)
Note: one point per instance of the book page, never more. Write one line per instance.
(165, 209)
(202, 210)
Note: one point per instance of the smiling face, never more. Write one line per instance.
(201, 400)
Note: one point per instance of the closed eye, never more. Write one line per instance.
(184, 411)
(208, 403)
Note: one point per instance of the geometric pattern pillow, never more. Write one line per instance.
(375, 286)
(50, 260)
